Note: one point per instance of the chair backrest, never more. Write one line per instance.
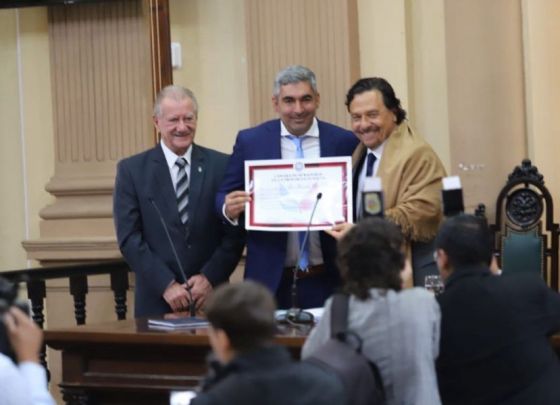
(525, 235)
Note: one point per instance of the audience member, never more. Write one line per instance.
(26, 382)
(172, 183)
(409, 168)
(399, 328)
(494, 331)
(252, 369)
(271, 256)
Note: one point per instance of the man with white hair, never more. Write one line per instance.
(170, 236)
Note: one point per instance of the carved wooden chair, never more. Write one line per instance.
(525, 234)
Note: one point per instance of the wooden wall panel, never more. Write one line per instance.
(160, 40)
(486, 100)
(102, 84)
(319, 34)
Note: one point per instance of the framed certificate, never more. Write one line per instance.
(292, 195)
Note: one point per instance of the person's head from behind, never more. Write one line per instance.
(295, 98)
(371, 255)
(463, 240)
(375, 111)
(175, 117)
(241, 317)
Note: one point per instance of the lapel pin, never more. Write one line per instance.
(199, 169)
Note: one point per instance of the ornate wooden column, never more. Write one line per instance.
(108, 59)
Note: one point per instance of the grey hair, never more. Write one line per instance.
(294, 74)
(174, 92)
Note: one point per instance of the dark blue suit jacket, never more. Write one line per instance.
(204, 246)
(266, 251)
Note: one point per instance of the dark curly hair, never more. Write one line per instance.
(370, 255)
(378, 83)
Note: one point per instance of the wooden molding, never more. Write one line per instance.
(63, 249)
(160, 40)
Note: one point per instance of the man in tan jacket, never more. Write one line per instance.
(409, 169)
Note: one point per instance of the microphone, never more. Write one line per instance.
(307, 231)
(452, 196)
(192, 305)
(372, 198)
(294, 314)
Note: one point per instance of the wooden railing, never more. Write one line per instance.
(35, 280)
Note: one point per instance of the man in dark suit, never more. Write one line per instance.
(173, 183)
(271, 256)
(494, 345)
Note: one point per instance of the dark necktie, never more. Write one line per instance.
(369, 164)
(182, 190)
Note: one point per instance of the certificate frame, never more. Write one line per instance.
(284, 192)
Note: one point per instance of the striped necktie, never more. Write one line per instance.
(304, 259)
(182, 190)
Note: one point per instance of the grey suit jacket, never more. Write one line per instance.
(400, 334)
(204, 246)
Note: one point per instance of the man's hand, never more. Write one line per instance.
(24, 335)
(176, 296)
(494, 268)
(235, 204)
(200, 288)
(339, 230)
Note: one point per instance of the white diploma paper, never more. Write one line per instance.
(284, 193)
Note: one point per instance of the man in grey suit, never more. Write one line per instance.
(167, 193)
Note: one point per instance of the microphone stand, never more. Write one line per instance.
(296, 315)
(192, 305)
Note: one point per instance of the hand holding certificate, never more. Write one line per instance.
(285, 191)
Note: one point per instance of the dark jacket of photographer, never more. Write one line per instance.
(269, 376)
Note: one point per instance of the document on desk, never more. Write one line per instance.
(178, 323)
(292, 194)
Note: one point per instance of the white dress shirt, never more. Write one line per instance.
(171, 158)
(311, 149)
(24, 384)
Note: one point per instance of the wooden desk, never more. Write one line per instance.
(124, 362)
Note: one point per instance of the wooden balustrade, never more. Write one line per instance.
(35, 280)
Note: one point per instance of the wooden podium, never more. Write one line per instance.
(125, 362)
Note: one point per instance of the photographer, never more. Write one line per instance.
(26, 382)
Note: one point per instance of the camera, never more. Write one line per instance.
(8, 298)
